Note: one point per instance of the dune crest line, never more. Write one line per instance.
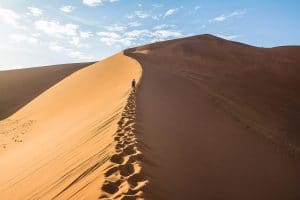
(124, 178)
(64, 154)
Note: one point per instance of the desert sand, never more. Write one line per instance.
(68, 134)
(210, 119)
(218, 119)
(19, 87)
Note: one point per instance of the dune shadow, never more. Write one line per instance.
(19, 87)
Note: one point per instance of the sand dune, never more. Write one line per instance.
(210, 119)
(125, 178)
(63, 153)
(19, 87)
(218, 119)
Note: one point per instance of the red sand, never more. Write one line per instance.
(211, 119)
(217, 119)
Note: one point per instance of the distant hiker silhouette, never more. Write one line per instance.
(133, 83)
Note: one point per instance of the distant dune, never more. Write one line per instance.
(210, 119)
(19, 87)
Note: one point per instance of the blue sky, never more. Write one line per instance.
(36, 32)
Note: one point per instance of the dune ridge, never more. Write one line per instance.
(19, 87)
(124, 179)
(211, 119)
(256, 85)
(218, 119)
(64, 153)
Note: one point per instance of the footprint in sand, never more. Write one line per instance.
(124, 179)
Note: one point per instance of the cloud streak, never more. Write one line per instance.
(19, 38)
(135, 37)
(170, 12)
(34, 11)
(9, 17)
(55, 28)
(69, 52)
(67, 8)
(224, 17)
(93, 3)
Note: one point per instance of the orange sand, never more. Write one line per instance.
(67, 134)
(211, 119)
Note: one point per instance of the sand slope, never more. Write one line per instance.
(69, 134)
(19, 87)
(218, 119)
(211, 119)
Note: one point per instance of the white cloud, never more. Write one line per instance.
(112, 38)
(220, 18)
(197, 7)
(164, 26)
(76, 42)
(157, 5)
(141, 14)
(115, 27)
(225, 17)
(79, 55)
(137, 33)
(228, 37)
(36, 35)
(92, 2)
(86, 34)
(134, 24)
(165, 34)
(108, 34)
(55, 29)
(17, 38)
(67, 8)
(69, 52)
(27, 35)
(170, 12)
(155, 17)
(34, 11)
(237, 13)
(137, 36)
(9, 17)
(113, 41)
(55, 47)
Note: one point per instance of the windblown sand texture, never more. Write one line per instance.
(210, 119)
(66, 149)
(124, 178)
(219, 119)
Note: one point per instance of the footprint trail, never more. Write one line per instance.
(124, 178)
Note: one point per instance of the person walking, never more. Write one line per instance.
(133, 84)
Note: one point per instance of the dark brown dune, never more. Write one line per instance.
(219, 120)
(19, 87)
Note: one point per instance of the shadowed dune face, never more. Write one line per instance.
(19, 87)
(215, 119)
(212, 119)
(258, 85)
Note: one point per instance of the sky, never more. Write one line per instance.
(40, 32)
